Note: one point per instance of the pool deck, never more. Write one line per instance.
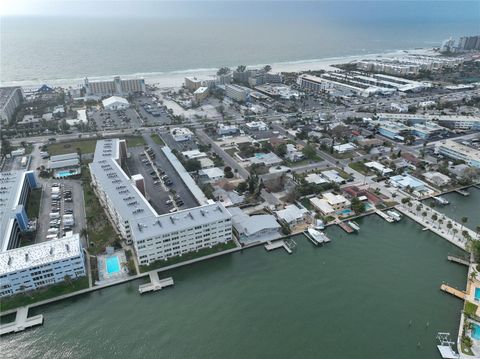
(155, 283)
(21, 322)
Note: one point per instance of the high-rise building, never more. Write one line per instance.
(115, 87)
(10, 99)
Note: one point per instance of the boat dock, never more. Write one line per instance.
(445, 346)
(270, 246)
(22, 322)
(453, 291)
(345, 227)
(384, 216)
(459, 260)
(463, 192)
(155, 283)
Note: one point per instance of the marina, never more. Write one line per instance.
(345, 227)
(273, 282)
(385, 216)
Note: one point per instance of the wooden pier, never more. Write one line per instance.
(155, 283)
(453, 291)
(270, 246)
(458, 260)
(345, 227)
(22, 322)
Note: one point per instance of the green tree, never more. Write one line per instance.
(309, 151)
(241, 68)
(357, 206)
(242, 187)
(281, 150)
(267, 68)
(223, 71)
(192, 165)
(464, 221)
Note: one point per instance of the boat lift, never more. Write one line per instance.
(445, 346)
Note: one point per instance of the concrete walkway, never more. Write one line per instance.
(435, 226)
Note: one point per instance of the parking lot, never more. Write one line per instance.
(121, 119)
(151, 113)
(61, 209)
(165, 193)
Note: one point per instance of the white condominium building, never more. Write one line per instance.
(237, 93)
(155, 236)
(115, 87)
(28, 268)
(10, 99)
(457, 151)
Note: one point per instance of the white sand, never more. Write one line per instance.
(175, 79)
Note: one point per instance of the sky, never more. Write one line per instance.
(159, 8)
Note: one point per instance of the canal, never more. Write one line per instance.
(369, 295)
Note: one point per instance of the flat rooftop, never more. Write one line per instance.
(10, 187)
(38, 254)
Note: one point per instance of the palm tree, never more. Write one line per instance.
(449, 226)
(455, 231)
(434, 218)
(419, 207)
(464, 220)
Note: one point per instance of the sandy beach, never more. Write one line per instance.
(175, 79)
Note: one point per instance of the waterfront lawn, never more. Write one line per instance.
(470, 309)
(134, 141)
(188, 256)
(156, 138)
(61, 148)
(99, 229)
(33, 203)
(49, 292)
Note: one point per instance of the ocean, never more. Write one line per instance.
(155, 38)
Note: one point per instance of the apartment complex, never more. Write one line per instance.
(32, 267)
(454, 122)
(155, 236)
(15, 187)
(452, 149)
(115, 87)
(237, 93)
(10, 99)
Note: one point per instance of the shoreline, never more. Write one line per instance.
(174, 79)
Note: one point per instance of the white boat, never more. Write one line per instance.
(317, 236)
(395, 215)
(354, 225)
(441, 200)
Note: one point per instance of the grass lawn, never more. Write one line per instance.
(134, 141)
(188, 256)
(33, 203)
(43, 294)
(359, 167)
(61, 148)
(156, 138)
(99, 228)
(307, 204)
(470, 309)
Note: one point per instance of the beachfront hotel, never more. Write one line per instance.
(32, 267)
(452, 149)
(115, 87)
(155, 236)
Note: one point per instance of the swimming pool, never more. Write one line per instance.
(476, 331)
(113, 265)
(477, 294)
(346, 212)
